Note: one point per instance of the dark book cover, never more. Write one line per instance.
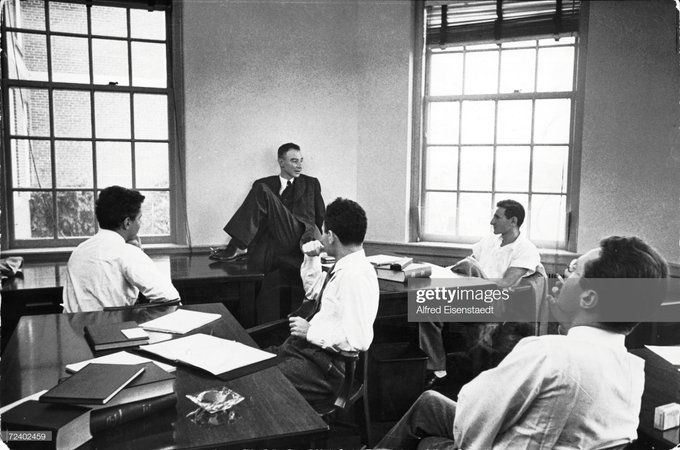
(93, 384)
(69, 424)
(153, 382)
(108, 417)
(104, 337)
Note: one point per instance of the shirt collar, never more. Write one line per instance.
(499, 239)
(597, 335)
(110, 235)
(349, 260)
(284, 182)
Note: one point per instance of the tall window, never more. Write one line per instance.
(86, 104)
(498, 118)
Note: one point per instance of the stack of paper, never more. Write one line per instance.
(180, 322)
(118, 358)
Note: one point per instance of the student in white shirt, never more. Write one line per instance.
(310, 356)
(504, 257)
(110, 268)
(579, 391)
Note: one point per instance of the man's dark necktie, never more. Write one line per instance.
(316, 303)
(288, 190)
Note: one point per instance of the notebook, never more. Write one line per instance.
(94, 384)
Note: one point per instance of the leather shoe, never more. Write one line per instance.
(228, 254)
(433, 381)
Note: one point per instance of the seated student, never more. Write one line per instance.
(110, 268)
(579, 391)
(506, 257)
(348, 296)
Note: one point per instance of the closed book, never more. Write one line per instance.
(153, 382)
(94, 384)
(69, 424)
(397, 264)
(111, 416)
(413, 270)
(104, 337)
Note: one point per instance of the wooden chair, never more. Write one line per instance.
(352, 389)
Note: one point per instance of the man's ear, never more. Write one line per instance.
(126, 223)
(588, 299)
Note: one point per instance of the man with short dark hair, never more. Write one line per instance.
(110, 268)
(348, 304)
(505, 257)
(579, 391)
(279, 214)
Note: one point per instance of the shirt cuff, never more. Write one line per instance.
(315, 336)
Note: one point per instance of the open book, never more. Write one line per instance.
(213, 354)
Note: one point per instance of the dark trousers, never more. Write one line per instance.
(271, 232)
(427, 424)
(316, 373)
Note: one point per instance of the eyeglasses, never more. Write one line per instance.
(571, 268)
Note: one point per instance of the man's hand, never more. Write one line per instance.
(298, 327)
(136, 241)
(312, 248)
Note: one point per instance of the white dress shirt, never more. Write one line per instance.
(580, 391)
(105, 271)
(349, 302)
(284, 184)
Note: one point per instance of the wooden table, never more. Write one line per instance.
(662, 386)
(394, 295)
(38, 290)
(273, 413)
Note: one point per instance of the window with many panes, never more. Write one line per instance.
(86, 104)
(498, 118)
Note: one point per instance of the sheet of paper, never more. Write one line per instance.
(216, 355)
(180, 322)
(378, 260)
(35, 396)
(134, 333)
(670, 353)
(118, 358)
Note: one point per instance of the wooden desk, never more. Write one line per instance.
(662, 386)
(38, 290)
(394, 296)
(273, 413)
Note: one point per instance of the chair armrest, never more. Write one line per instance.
(175, 302)
(267, 327)
(270, 333)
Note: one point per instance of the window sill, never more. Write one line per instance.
(63, 253)
(445, 253)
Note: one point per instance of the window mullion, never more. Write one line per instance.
(132, 103)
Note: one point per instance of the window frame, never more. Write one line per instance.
(420, 78)
(175, 139)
